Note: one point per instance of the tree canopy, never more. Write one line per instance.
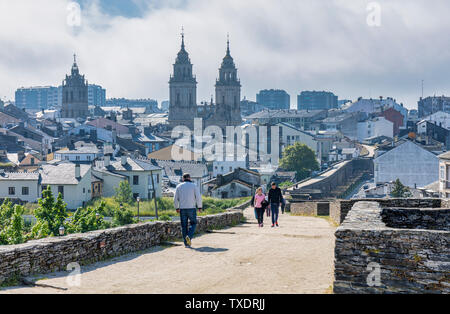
(301, 159)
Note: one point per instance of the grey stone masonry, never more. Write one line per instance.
(54, 254)
(391, 251)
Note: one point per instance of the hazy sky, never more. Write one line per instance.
(129, 46)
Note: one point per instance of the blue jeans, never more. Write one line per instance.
(275, 209)
(188, 216)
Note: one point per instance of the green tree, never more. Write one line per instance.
(400, 191)
(50, 214)
(122, 217)
(15, 230)
(301, 159)
(12, 224)
(124, 194)
(85, 220)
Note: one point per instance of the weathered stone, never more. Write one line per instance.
(48, 255)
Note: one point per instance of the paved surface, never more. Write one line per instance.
(295, 258)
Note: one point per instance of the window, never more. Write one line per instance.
(25, 190)
(77, 158)
(61, 190)
(12, 191)
(136, 180)
(89, 158)
(32, 161)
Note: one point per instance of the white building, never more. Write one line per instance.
(224, 167)
(86, 153)
(440, 118)
(137, 172)
(23, 186)
(73, 181)
(413, 165)
(444, 175)
(374, 128)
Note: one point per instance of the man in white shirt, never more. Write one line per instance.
(187, 200)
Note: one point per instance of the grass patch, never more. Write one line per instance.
(166, 208)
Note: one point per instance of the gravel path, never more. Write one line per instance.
(295, 258)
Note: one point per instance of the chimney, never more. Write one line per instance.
(124, 160)
(77, 171)
(107, 161)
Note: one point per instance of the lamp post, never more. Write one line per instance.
(138, 201)
(154, 195)
(97, 215)
(62, 230)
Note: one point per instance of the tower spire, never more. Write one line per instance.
(74, 58)
(228, 43)
(182, 37)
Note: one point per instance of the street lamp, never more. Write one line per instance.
(138, 201)
(62, 230)
(97, 215)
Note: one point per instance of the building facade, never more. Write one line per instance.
(412, 164)
(313, 100)
(75, 95)
(37, 98)
(374, 128)
(183, 108)
(430, 105)
(274, 99)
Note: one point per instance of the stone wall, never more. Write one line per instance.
(340, 208)
(54, 254)
(327, 182)
(312, 208)
(409, 260)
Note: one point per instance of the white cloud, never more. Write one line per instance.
(289, 44)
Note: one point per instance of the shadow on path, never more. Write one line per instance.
(207, 249)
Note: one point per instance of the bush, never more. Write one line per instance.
(123, 217)
(124, 194)
(11, 223)
(85, 220)
(50, 214)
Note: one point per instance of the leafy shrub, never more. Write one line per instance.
(11, 223)
(85, 220)
(124, 194)
(50, 215)
(122, 217)
(165, 218)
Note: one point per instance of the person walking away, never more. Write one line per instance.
(187, 200)
(260, 200)
(275, 200)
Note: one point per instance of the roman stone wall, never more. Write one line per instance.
(392, 251)
(54, 254)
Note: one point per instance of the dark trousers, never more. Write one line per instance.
(260, 215)
(275, 209)
(188, 216)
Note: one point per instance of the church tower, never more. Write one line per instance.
(228, 93)
(183, 91)
(75, 94)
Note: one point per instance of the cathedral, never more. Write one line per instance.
(183, 108)
(75, 95)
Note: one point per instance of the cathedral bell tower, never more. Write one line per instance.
(75, 94)
(228, 93)
(183, 91)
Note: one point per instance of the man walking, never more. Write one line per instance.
(187, 200)
(275, 200)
